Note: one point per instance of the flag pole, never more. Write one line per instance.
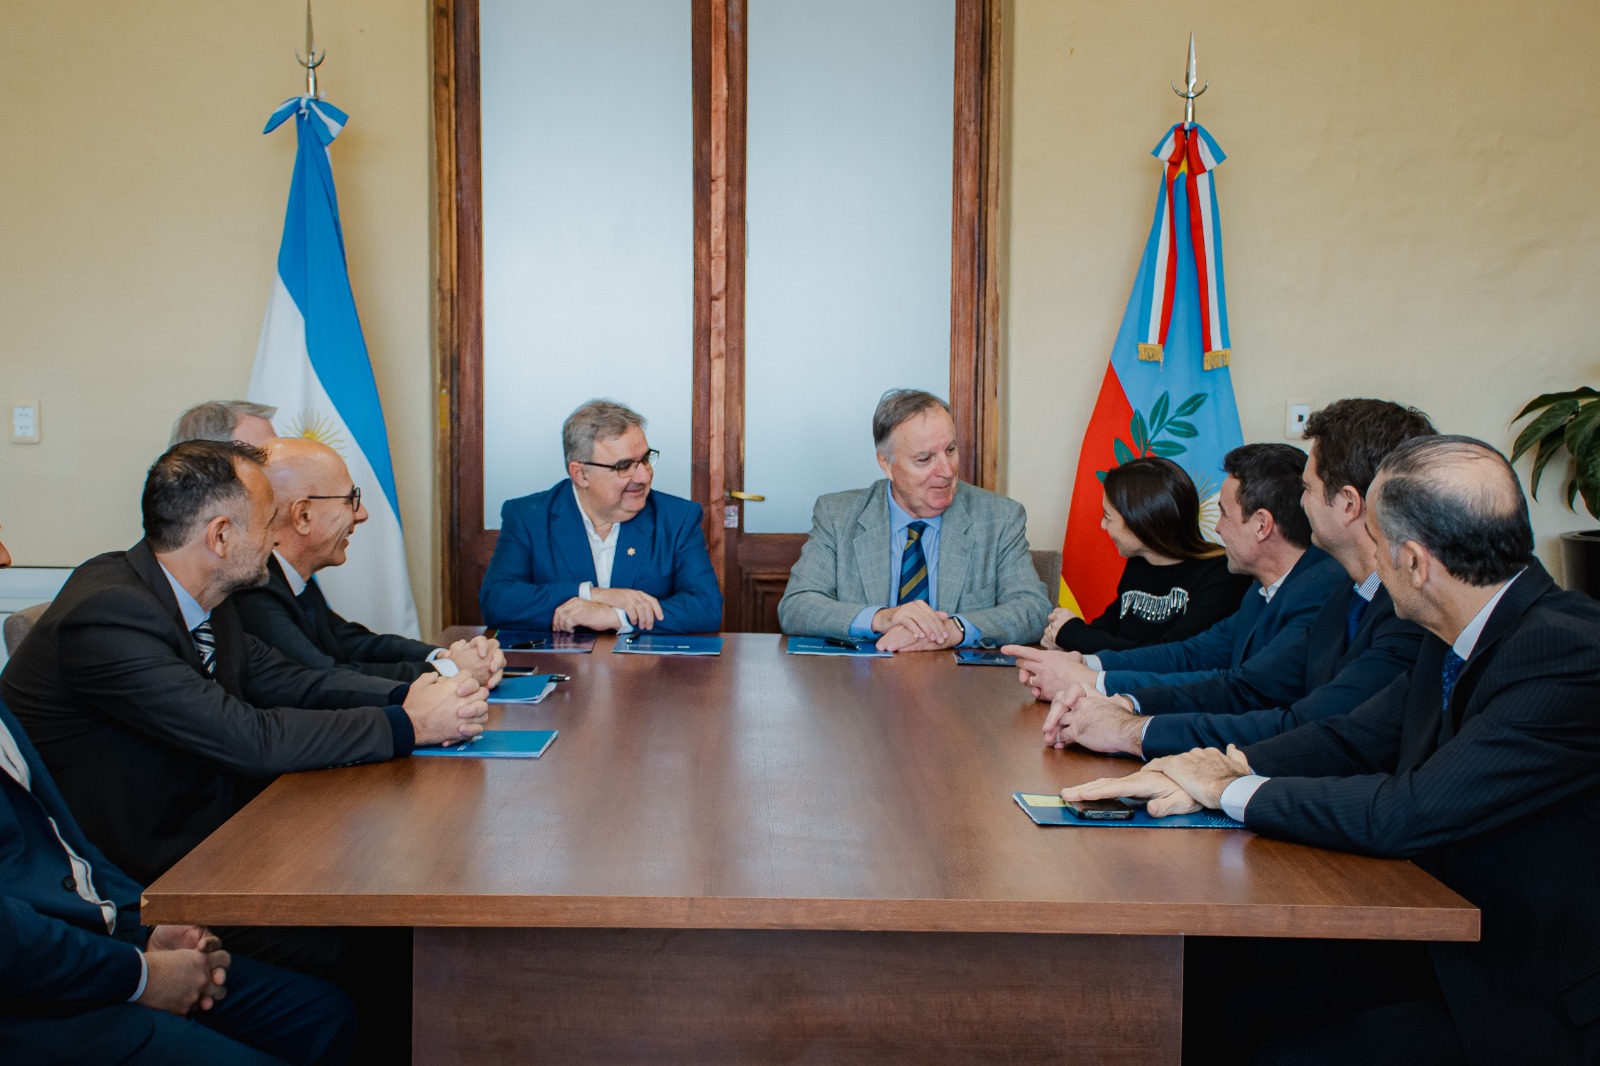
(313, 59)
(1189, 92)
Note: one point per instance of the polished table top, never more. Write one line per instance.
(759, 790)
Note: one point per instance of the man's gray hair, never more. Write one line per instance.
(897, 406)
(1459, 498)
(596, 420)
(216, 420)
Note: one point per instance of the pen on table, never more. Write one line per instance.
(533, 673)
(632, 639)
(834, 642)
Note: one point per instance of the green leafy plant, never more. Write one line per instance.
(1568, 421)
(1143, 430)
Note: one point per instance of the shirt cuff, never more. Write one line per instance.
(434, 654)
(1093, 663)
(1100, 682)
(1237, 795)
(861, 624)
(974, 634)
(623, 625)
(586, 590)
(1131, 698)
(144, 978)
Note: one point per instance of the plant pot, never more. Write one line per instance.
(1580, 561)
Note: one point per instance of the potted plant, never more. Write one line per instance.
(1569, 422)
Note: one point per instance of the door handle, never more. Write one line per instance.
(749, 497)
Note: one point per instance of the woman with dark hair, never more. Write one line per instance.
(1175, 583)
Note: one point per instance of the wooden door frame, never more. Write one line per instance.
(717, 430)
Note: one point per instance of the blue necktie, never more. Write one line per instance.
(205, 642)
(1448, 675)
(1352, 621)
(308, 603)
(913, 566)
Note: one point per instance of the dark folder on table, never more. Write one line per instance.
(984, 657)
(514, 641)
(860, 649)
(499, 744)
(1052, 810)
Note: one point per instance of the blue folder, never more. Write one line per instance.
(667, 644)
(859, 649)
(524, 690)
(1051, 810)
(498, 744)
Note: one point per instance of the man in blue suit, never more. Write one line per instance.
(1266, 535)
(82, 981)
(1355, 646)
(600, 550)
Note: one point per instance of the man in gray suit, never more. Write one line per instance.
(918, 562)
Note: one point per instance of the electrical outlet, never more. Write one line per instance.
(25, 422)
(1294, 424)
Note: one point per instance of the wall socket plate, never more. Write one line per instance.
(25, 422)
(1294, 422)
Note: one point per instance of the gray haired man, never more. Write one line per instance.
(225, 420)
(920, 560)
(601, 549)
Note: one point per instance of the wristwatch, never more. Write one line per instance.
(956, 618)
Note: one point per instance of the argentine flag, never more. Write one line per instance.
(312, 366)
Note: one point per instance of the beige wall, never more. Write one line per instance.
(1404, 205)
(140, 231)
(1407, 207)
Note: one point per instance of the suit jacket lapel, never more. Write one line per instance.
(633, 543)
(955, 551)
(278, 585)
(144, 563)
(872, 546)
(1532, 583)
(569, 541)
(1420, 734)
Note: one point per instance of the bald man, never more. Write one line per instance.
(319, 507)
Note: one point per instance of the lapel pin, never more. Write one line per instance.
(630, 551)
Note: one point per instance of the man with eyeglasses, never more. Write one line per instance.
(599, 550)
(319, 507)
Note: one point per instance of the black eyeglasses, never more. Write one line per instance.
(624, 467)
(353, 497)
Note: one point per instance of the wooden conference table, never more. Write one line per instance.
(771, 858)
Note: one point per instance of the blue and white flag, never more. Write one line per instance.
(312, 366)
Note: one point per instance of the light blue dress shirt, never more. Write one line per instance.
(861, 625)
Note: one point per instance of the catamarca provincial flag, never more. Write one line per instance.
(1168, 389)
(312, 365)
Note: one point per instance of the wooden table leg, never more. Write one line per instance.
(793, 996)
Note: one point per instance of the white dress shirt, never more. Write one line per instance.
(604, 552)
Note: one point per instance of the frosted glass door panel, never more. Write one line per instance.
(588, 223)
(847, 273)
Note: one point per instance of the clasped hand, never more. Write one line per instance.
(599, 612)
(1100, 723)
(185, 968)
(446, 709)
(1175, 784)
(915, 626)
(479, 658)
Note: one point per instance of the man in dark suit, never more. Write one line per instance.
(1482, 765)
(82, 981)
(600, 549)
(919, 561)
(158, 716)
(319, 507)
(1356, 644)
(1266, 535)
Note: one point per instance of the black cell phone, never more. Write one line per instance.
(1100, 810)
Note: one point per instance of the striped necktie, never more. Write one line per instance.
(914, 566)
(1448, 673)
(205, 642)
